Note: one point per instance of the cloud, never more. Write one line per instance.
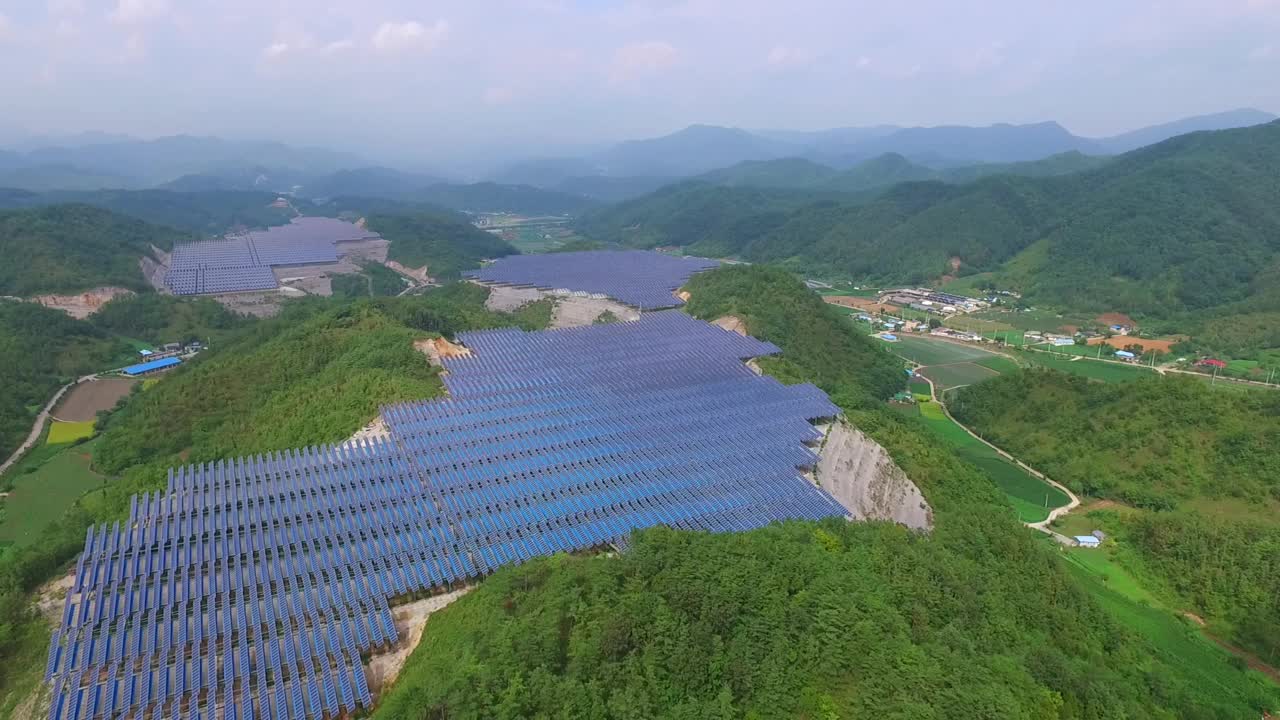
(131, 12)
(409, 35)
(644, 58)
(275, 50)
(782, 56)
(338, 46)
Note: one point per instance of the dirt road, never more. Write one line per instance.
(39, 426)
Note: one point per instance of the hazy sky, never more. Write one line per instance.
(449, 76)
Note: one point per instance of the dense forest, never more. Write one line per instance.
(868, 620)
(883, 171)
(816, 341)
(72, 248)
(159, 319)
(1197, 462)
(446, 246)
(1186, 225)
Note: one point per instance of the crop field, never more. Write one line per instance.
(1093, 369)
(46, 492)
(926, 351)
(999, 363)
(1173, 638)
(946, 377)
(84, 401)
(69, 432)
(1030, 497)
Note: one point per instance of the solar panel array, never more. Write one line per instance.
(240, 263)
(251, 587)
(635, 277)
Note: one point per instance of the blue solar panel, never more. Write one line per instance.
(634, 277)
(550, 441)
(242, 263)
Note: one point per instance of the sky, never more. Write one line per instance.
(440, 80)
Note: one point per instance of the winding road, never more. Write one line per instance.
(1043, 525)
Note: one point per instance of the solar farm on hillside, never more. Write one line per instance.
(252, 587)
(636, 277)
(242, 263)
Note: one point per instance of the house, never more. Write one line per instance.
(1087, 541)
(1099, 534)
(1213, 363)
(1125, 355)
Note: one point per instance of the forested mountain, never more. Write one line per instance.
(883, 171)
(71, 248)
(476, 197)
(1188, 224)
(1174, 448)
(1142, 137)
(701, 149)
(444, 245)
(210, 212)
(146, 163)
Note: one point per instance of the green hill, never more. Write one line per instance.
(976, 619)
(208, 212)
(1197, 464)
(445, 245)
(71, 248)
(1188, 224)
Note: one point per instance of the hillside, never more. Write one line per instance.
(207, 212)
(975, 619)
(71, 248)
(446, 246)
(380, 182)
(1196, 463)
(68, 348)
(1188, 224)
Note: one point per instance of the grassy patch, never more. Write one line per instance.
(926, 351)
(1174, 640)
(1093, 369)
(999, 363)
(945, 377)
(46, 492)
(1032, 498)
(68, 432)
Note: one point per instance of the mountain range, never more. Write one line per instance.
(1186, 225)
(700, 149)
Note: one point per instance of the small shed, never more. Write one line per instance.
(1087, 541)
(1125, 355)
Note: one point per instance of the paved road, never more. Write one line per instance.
(1043, 525)
(39, 426)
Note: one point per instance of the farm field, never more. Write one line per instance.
(1173, 637)
(1031, 498)
(1104, 371)
(927, 351)
(41, 496)
(61, 433)
(947, 377)
(84, 401)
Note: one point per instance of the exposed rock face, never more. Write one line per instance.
(861, 475)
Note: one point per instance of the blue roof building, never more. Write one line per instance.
(148, 367)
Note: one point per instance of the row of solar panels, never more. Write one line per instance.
(634, 277)
(243, 263)
(285, 549)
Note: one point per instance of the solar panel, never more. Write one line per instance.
(548, 441)
(635, 277)
(242, 263)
